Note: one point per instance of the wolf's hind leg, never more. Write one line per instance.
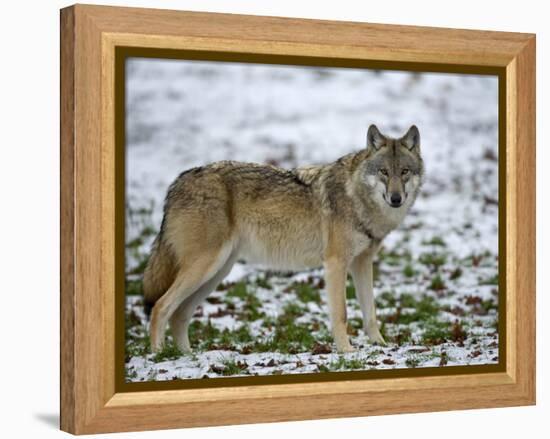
(188, 281)
(180, 320)
(361, 271)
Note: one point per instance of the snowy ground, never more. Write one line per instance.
(436, 280)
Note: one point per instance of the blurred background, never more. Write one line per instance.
(437, 276)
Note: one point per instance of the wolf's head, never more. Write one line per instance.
(393, 169)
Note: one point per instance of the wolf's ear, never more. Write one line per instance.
(412, 139)
(375, 139)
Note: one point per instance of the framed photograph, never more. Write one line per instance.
(267, 219)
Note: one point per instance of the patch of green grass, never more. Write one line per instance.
(386, 300)
(203, 335)
(291, 311)
(236, 337)
(493, 280)
(354, 363)
(407, 301)
(437, 283)
(134, 287)
(306, 293)
(343, 363)
(239, 290)
(169, 351)
(138, 346)
(424, 309)
(436, 332)
(409, 271)
(232, 367)
(433, 260)
(393, 257)
(350, 291)
(252, 309)
(289, 338)
(436, 240)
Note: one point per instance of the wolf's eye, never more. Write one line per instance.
(405, 171)
(383, 171)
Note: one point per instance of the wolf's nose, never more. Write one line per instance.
(395, 199)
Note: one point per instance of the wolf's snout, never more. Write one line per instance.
(395, 199)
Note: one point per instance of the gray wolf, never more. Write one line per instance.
(334, 215)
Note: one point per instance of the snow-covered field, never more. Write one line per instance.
(436, 278)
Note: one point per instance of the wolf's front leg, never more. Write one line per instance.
(361, 271)
(335, 275)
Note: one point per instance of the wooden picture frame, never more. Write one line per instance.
(91, 400)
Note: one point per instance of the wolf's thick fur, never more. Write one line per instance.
(333, 215)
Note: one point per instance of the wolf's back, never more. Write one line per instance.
(159, 273)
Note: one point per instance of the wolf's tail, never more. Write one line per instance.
(159, 274)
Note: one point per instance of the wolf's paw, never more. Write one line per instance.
(375, 336)
(183, 345)
(345, 349)
(185, 349)
(156, 347)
